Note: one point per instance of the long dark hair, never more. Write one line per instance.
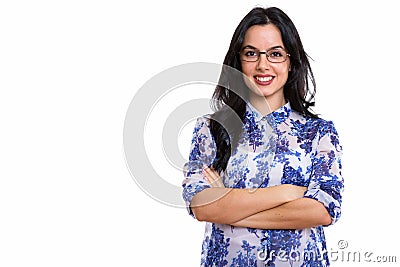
(228, 103)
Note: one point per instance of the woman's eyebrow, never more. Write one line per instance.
(249, 46)
(277, 47)
(274, 47)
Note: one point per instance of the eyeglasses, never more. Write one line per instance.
(274, 55)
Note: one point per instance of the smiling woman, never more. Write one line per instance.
(265, 187)
(269, 74)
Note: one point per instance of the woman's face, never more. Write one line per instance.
(267, 79)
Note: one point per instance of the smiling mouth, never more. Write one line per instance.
(264, 79)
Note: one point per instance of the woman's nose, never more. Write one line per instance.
(263, 63)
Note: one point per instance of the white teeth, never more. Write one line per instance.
(264, 79)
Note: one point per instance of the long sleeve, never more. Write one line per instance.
(306, 153)
(202, 153)
(326, 183)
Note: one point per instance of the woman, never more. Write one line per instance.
(282, 151)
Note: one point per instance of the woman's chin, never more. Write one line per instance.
(261, 93)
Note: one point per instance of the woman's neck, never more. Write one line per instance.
(266, 105)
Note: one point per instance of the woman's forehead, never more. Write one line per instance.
(263, 37)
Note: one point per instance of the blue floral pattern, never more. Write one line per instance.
(283, 147)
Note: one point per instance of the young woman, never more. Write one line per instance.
(265, 187)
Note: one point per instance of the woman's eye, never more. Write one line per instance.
(251, 53)
(275, 54)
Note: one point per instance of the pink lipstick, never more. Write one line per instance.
(263, 79)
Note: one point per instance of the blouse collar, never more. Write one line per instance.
(276, 117)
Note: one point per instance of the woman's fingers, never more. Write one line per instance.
(212, 174)
(208, 175)
(212, 177)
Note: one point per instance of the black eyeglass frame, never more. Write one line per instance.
(259, 53)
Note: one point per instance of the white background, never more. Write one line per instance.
(68, 71)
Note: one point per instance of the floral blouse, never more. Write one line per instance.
(283, 147)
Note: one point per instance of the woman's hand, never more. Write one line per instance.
(215, 180)
(212, 177)
(222, 205)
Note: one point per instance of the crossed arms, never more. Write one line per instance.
(283, 206)
(277, 207)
